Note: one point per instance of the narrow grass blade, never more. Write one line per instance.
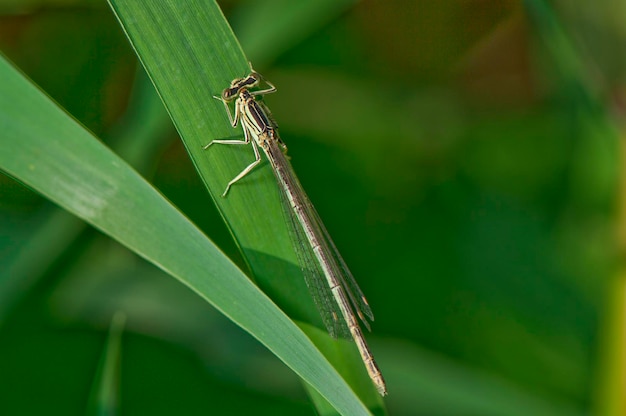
(191, 54)
(105, 393)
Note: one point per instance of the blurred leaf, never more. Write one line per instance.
(105, 394)
(261, 25)
(24, 6)
(429, 384)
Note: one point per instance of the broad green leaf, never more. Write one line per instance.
(191, 54)
(44, 148)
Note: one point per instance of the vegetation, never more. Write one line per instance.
(465, 160)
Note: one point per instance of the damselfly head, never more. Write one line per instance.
(256, 76)
(240, 84)
(229, 93)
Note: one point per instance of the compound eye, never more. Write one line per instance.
(256, 76)
(228, 94)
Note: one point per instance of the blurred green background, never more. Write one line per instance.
(463, 154)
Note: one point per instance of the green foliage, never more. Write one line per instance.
(464, 160)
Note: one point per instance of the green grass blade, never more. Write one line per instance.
(143, 131)
(191, 54)
(104, 399)
(595, 175)
(44, 148)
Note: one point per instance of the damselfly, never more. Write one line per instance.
(334, 289)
